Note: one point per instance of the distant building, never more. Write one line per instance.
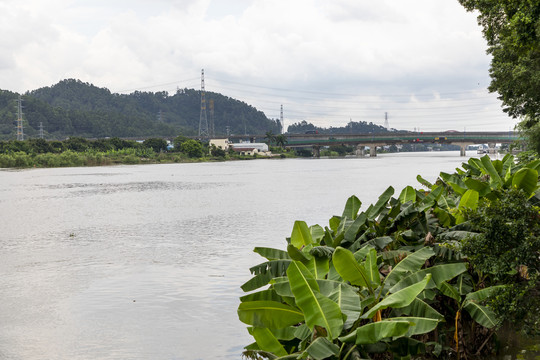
(247, 148)
(220, 143)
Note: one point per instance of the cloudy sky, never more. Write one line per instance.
(326, 61)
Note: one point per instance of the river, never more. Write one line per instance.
(146, 262)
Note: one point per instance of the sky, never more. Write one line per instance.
(422, 63)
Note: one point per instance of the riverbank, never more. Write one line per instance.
(71, 158)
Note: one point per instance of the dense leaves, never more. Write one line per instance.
(389, 280)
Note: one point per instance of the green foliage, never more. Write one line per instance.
(192, 148)
(512, 31)
(372, 280)
(155, 144)
(352, 127)
(73, 108)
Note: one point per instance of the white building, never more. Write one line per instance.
(220, 143)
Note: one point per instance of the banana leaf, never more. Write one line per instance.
(407, 194)
(272, 254)
(439, 273)
(469, 200)
(526, 179)
(411, 263)
(267, 341)
(351, 207)
(271, 314)
(264, 273)
(300, 234)
(375, 210)
(419, 325)
(481, 314)
(349, 269)
(317, 308)
(321, 349)
(349, 303)
(374, 332)
(399, 299)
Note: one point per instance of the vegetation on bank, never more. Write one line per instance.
(83, 152)
(431, 273)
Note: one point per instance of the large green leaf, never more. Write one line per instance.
(264, 273)
(374, 332)
(349, 269)
(318, 267)
(270, 295)
(300, 234)
(450, 291)
(419, 325)
(317, 233)
(270, 314)
(495, 178)
(267, 341)
(371, 267)
(469, 200)
(411, 263)
(419, 308)
(352, 230)
(296, 254)
(526, 179)
(317, 308)
(399, 299)
(271, 254)
(483, 294)
(424, 182)
(407, 194)
(481, 314)
(321, 349)
(349, 303)
(376, 209)
(351, 207)
(439, 273)
(480, 186)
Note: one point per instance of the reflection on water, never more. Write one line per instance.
(145, 262)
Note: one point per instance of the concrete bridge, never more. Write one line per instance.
(462, 139)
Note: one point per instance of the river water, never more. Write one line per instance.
(146, 262)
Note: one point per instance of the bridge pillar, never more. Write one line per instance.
(372, 151)
(360, 150)
(317, 151)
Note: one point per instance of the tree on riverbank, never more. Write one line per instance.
(512, 31)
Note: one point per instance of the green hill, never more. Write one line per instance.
(75, 108)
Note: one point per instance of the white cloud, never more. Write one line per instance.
(355, 58)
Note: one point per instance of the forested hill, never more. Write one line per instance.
(75, 108)
(353, 127)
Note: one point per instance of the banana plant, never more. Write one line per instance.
(372, 280)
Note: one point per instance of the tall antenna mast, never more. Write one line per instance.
(20, 132)
(212, 129)
(281, 120)
(203, 121)
(386, 125)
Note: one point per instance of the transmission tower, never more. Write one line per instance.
(41, 130)
(212, 131)
(20, 132)
(386, 125)
(281, 120)
(203, 121)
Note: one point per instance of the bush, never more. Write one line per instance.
(192, 148)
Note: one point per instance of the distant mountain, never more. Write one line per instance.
(75, 108)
